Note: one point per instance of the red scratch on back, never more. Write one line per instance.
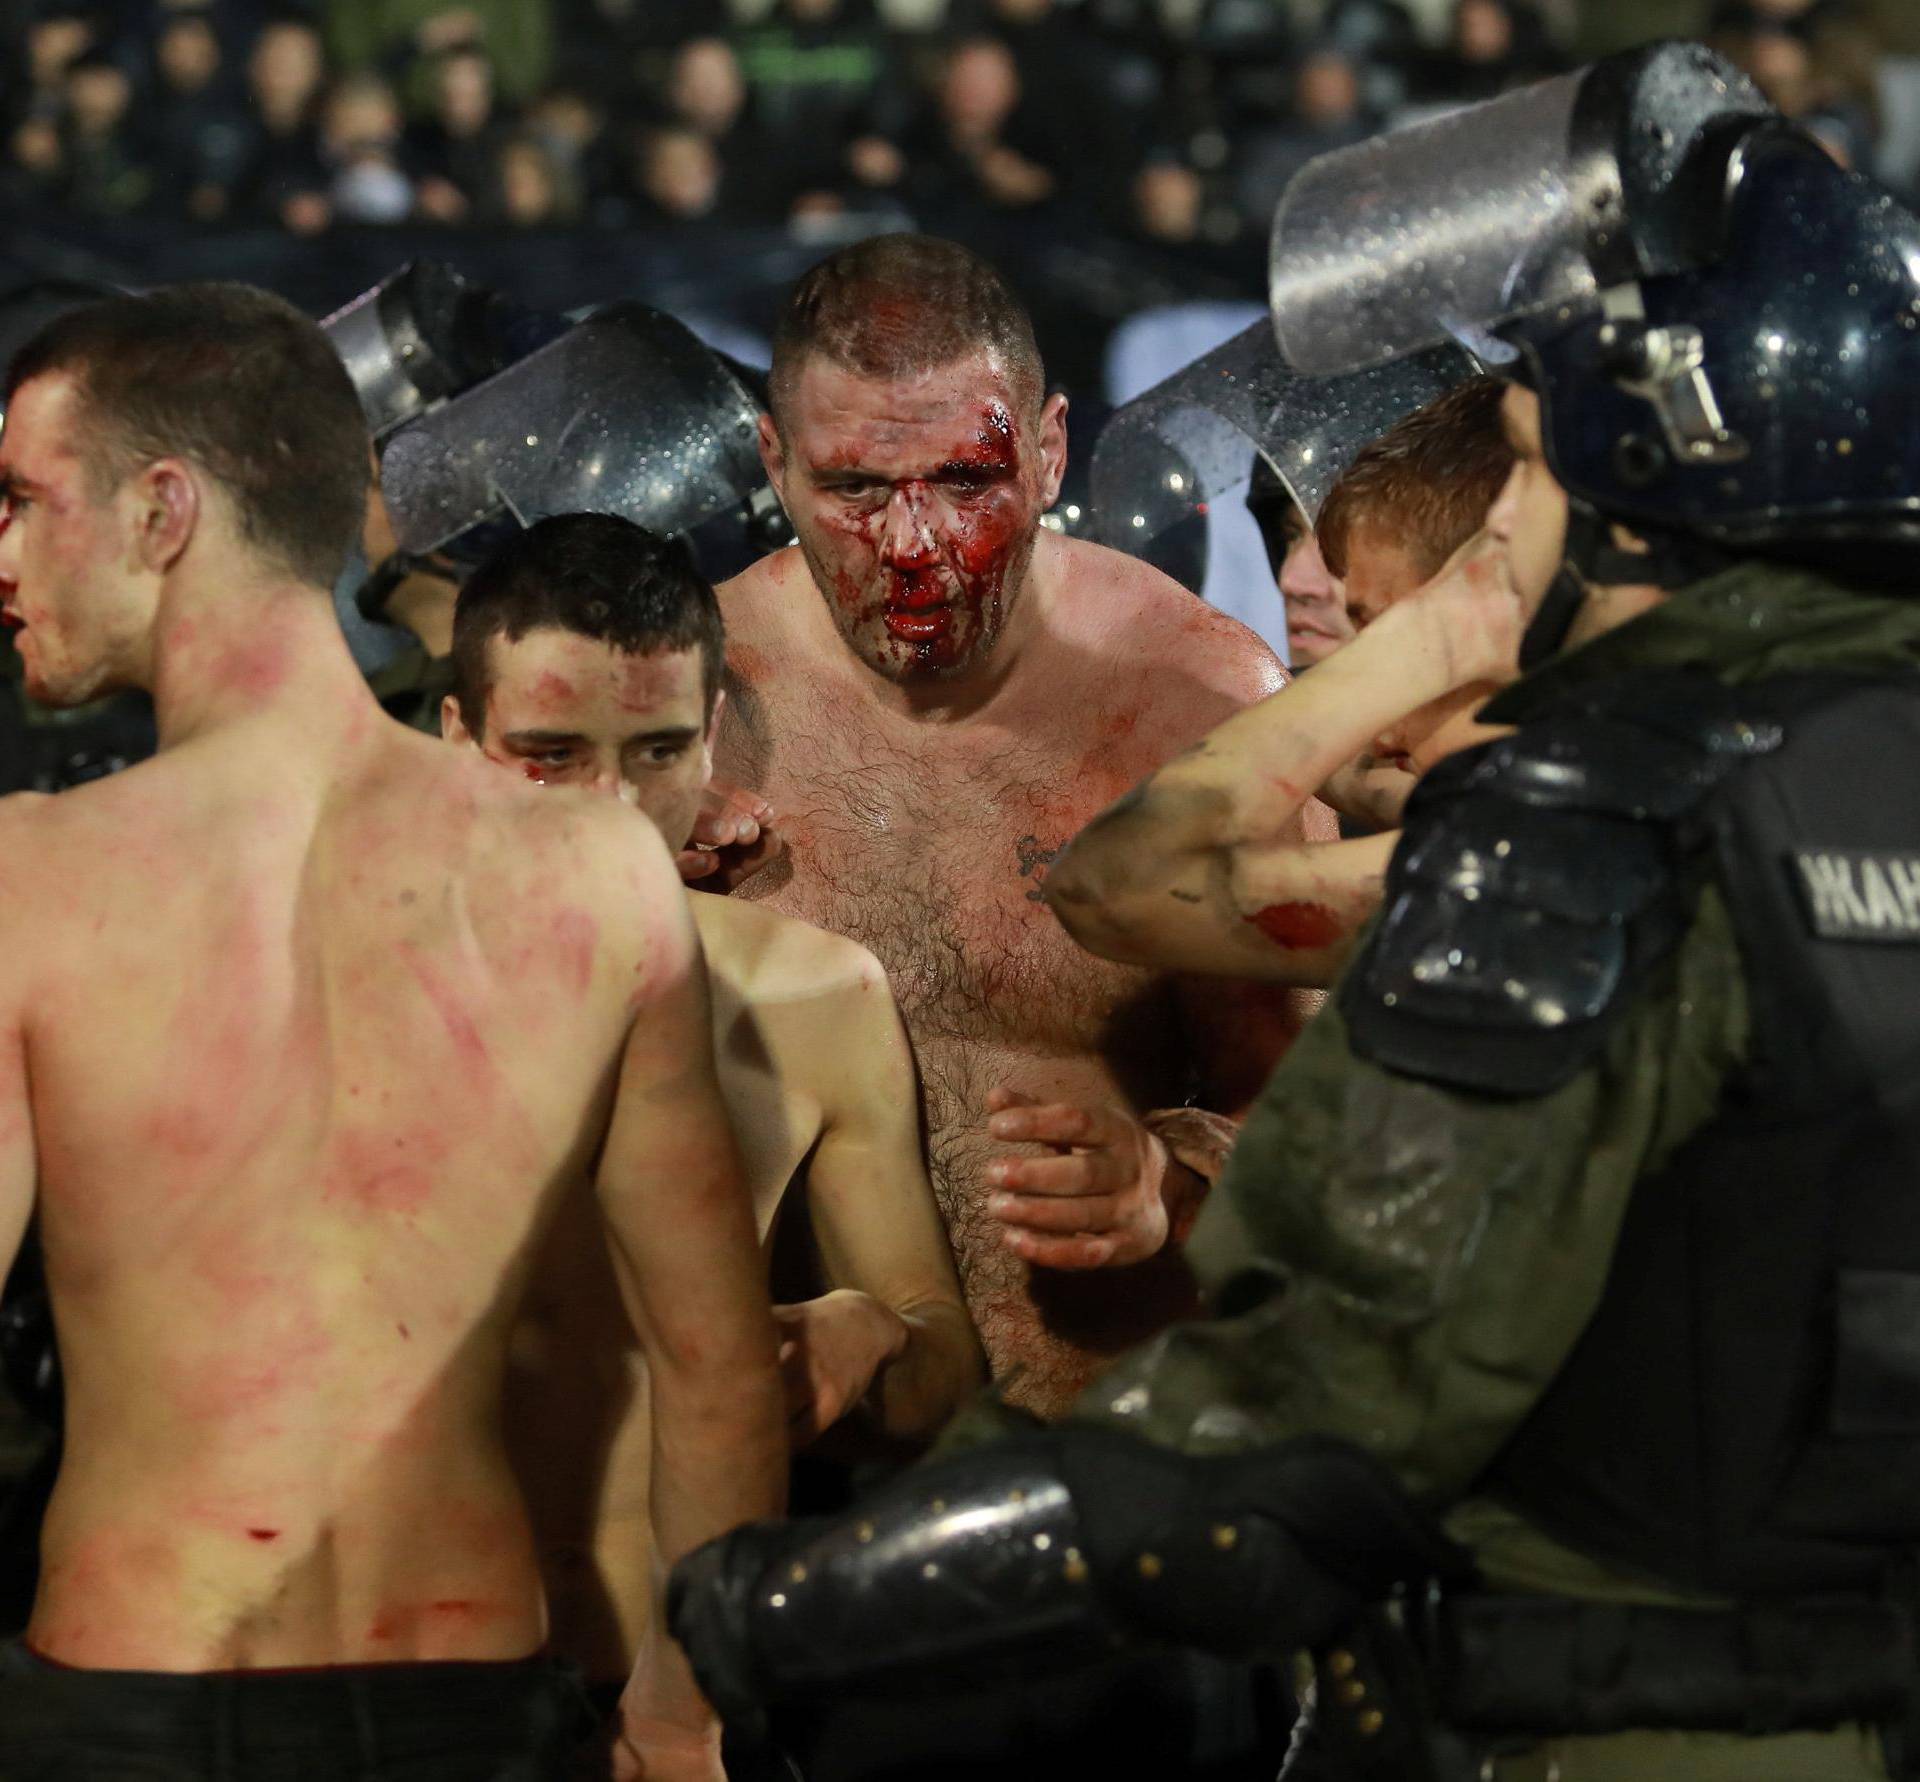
(453, 1017)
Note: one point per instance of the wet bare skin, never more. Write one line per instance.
(816, 1073)
(804, 1034)
(307, 1026)
(928, 842)
(313, 1057)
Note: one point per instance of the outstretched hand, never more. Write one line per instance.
(733, 838)
(1095, 1200)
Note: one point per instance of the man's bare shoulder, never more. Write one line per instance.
(20, 811)
(781, 958)
(1126, 605)
(570, 851)
(768, 577)
(26, 823)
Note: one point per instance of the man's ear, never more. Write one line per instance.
(1053, 448)
(453, 727)
(166, 515)
(773, 455)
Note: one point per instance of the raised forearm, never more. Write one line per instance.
(1182, 840)
(1264, 763)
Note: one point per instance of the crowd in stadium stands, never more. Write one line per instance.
(1177, 120)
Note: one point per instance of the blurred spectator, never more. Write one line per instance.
(1099, 94)
(360, 139)
(705, 92)
(1494, 45)
(1328, 112)
(1781, 64)
(107, 172)
(571, 127)
(56, 39)
(452, 151)
(1380, 39)
(984, 142)
(1190, 222)
(1247, 50)
(821, 78)
(53, 40)
(529, 189)
(1816, 63)
(403, 37)
(1168, 201)
(201, 139)
(285, 179)
(676, 176)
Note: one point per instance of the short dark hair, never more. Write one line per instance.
(592, 574)
(1426, 482)
(234, 380)
(897, 305)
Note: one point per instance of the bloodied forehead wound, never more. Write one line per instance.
(901, 305)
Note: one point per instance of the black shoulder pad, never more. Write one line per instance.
(1538, 881)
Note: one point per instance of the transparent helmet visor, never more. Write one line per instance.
(1441, 230)
(1190, 440)
(1531, 202)
(627, 413)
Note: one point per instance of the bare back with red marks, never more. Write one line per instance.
(319, 1026)
(929, 842)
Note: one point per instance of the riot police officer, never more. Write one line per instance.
(1584, 1216)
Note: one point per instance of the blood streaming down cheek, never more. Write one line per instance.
(1299, 927)
(983, 535)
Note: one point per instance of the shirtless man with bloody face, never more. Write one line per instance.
(307, 1026)
(586, 652)
(936, 693)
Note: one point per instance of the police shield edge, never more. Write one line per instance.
(627, 413)
(1190, 440)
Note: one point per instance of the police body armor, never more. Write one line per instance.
(1742, 1414)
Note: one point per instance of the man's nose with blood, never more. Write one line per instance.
(916, 608)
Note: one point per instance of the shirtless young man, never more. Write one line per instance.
(1200, 869)
(307, 1026)
(587, 652)
(936, 693)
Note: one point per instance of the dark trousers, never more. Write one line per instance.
(366, 1723)
(1145, 1718)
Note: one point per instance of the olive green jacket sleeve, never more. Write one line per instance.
(1433, 1253)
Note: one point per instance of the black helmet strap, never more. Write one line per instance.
(1548, 628)
(1672, 559)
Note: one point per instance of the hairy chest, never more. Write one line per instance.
(932, 853)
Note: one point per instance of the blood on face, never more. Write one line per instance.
(920, 533)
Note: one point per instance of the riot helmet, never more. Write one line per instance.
(1703, 301)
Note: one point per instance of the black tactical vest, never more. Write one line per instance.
(1742, 1414)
